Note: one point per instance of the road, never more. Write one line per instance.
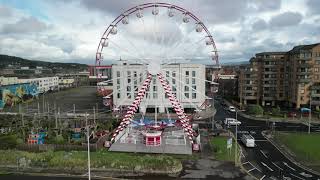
(265, 160)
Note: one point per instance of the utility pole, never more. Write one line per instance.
(88, 134)
(236, 142)
(310, 111)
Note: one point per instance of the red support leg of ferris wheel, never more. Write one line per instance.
(177, 107)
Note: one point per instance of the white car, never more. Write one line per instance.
(232, 109)
(231, 121)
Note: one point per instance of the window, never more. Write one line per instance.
(129, 95)
(187, 80)
(154, 88)
(302, 91)
(118, 81)
(128, 88)
(316, 69)
(118, 73)
(173, 81)
(118, 95)
(174, 88)
(193, 73)
(194, 88)
(173, 74)
(186, 95)
(135, 88)
(187, 73)
(167, 73)
(186, 88)
(129, 80)
(155, 95)
(193, 81)
(118, 87)
(194, 96)
(129, 73)
(134, 73)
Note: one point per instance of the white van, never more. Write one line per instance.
(247, 140)
(231, 122)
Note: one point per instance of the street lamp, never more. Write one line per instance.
(310, 111)
(88, 138)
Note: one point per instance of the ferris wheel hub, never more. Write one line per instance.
(154, 67)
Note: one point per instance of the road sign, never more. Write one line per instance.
(229, 143)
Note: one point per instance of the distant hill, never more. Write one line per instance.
(6, 60)
(236, 63)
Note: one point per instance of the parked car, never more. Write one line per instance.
(247, 140)
(231, 121)
(292, 114)
(232, 109)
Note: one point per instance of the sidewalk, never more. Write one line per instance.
(290, 120)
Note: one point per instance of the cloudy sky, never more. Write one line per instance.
(70, 30)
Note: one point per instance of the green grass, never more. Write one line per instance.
(305, 146)
(100, 159)
(220, 151)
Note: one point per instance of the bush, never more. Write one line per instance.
(255, 110)
(59, 139)
(276, 111)
(8, 141)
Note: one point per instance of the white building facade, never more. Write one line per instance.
(44, 84)
(187, 82)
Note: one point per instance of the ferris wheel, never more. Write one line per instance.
(153, 35)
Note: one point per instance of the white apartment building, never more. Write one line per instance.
(8, 80)
(44, 84)
(187, 82)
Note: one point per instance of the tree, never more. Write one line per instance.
(255, 110)
(276, 111)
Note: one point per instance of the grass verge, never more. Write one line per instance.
(100, 159)
(304, 146)
(220, 151)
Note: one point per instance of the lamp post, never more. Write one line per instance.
(88, 138)
(310, 111)
(236, 142)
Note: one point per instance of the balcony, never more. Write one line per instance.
(305, 65)
(304, 72)
(250, 97)
(268, 98)
(303, 80)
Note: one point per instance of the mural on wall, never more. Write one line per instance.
(11, 95)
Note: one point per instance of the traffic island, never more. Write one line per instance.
(303, 147)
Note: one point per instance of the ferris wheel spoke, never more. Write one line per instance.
(128, 52)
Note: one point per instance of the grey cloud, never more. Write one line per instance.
(5, 11)
(314, 6)
(267, 5)
(286, 19)
(24, 25)
(259, 25)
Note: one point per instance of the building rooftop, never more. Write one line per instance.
(271, 53)
(303, 47)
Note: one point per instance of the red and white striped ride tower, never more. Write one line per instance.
(156, 11)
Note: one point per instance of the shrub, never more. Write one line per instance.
(255, 110)
(8, 141)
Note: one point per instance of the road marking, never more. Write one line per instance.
(251, 169)
(246, 163)
(306, 175)
(277, 166)
(266, 166)
(264, 154)
(263, 177)
(289, 166)
(296, 176)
